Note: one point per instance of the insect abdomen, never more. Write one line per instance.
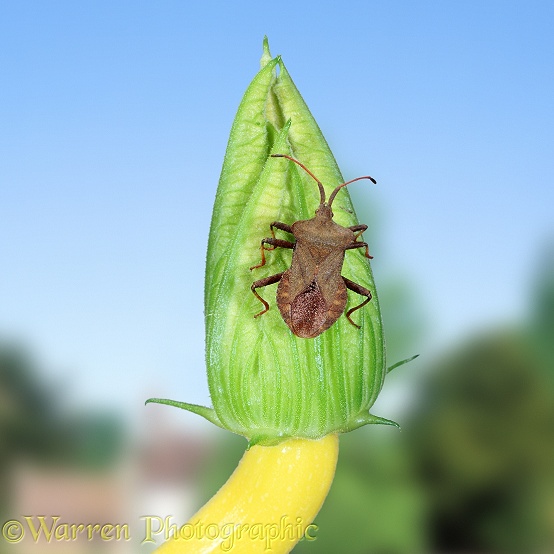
(308, 314)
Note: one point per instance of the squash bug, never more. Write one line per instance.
(311, 294)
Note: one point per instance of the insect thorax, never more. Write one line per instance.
(322, 232)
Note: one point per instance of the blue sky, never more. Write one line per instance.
(114, 117)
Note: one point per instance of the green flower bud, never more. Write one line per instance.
(266, 383)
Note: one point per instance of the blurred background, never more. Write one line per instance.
(114, 118)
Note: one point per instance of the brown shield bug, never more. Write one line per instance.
(311, 294)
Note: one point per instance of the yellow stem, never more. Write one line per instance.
(268, 503)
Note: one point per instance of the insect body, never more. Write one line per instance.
(311, 294)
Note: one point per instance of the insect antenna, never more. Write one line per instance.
(321, 189)
(334, 193)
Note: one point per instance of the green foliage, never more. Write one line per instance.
(28, 419)
(484, 442)
(34, 426)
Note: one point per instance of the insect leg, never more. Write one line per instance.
(275, 243)
(359, 229)
(263, 283)
(361, 291)
(356, 244)
(281, 226)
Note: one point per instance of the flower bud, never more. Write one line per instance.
(266, 383)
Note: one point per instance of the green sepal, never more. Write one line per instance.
(398, 364)
(264, 440)
(368, 419)
(206, 413)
